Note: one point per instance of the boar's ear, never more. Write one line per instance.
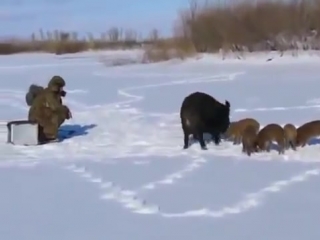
(227, 104)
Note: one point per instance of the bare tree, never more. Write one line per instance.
(114, 34)
(154, 35)
(130, 35)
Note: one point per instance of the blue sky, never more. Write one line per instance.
(22, 17)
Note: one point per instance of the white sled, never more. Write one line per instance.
(23, 132)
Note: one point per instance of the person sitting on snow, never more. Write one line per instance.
(47, 109)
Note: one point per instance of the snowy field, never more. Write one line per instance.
(124, 175)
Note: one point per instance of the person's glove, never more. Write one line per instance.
(69, 115)
(68, 112)
(63, 93)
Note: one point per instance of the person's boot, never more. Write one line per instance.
(49, 138)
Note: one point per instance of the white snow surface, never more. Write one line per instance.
(124, 175)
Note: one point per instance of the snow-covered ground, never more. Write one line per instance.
(124, 176)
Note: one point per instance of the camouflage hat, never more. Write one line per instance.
(56, 82)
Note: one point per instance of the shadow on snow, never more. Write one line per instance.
(314, 141)
(73, 130)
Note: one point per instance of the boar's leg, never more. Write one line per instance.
(186, 140)
(216, 138)
(235, 139)
(186, 133)
(238, 139)
(249, 150)
(267, 146)
(253, 149)
(304, 142)
(293, 145)
(281, 145)
(201, 140)
(194, 136)
(244, 148)
(287, 144)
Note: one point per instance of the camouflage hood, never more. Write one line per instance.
(56, 83)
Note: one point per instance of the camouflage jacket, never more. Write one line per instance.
(46, 103)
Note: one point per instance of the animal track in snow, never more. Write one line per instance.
(111, 191)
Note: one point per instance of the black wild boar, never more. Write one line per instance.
(200, 113)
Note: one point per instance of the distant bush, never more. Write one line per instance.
(246, 26)
(163, 50)
(60, 42)
(252, 26)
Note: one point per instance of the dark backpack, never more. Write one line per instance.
(33, 92)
